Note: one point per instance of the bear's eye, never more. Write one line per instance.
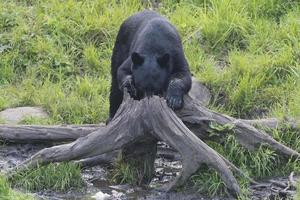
(163, 60)
(137, 59)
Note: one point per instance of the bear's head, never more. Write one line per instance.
(150, 73)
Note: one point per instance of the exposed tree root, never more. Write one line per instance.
(106, 158)
(195, 115)
(44, 134)
(152, 119)
(36, 134)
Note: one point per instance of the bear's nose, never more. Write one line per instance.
(148, 89)
(154, 74)
(154, 77)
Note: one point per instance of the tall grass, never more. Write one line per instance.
(247, 52)
(260, 163)
(57, 55)
(297, 196)
(6, 193)
(57, 177)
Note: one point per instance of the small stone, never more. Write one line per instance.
(101, 196)
(14, 116)
(200, 92)
(122, 188)
(117, 195)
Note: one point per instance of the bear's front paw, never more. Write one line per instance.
(175, 101)
(128, 84)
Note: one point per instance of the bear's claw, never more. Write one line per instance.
(128, 84)
(175, 102)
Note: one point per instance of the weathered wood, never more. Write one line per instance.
(250, 137)
(152, 118)
(45, 134)
(141, 155)
(35, 134)
(65, 133)
(106, 158)
(292, 182)
(118, 133)
(133, 120)
(273, 122)
(167, 126)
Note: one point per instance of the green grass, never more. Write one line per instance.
(133, 170)
(260, 163)
(125, 172)
(2, 121)
(57, 55)
(297, 196)
(35, 120)
(57, 177)
(6, 193)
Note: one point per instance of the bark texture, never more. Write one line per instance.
(150, 118)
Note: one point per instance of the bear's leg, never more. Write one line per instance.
(119, 55)
(115, 99)
(179, 85)
(116, 91)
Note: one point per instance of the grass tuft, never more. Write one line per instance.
(57, 177)
(297, 196)
(6, 193)
(257, 164)
(57, 56)
(135, 171)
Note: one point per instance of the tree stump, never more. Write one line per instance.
(139, 124)
(141, 155)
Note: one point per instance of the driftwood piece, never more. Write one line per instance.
(103, 159)
(65, 133)
(134, 121)
(44, 134)
(35, 134)
(247, 135)
(151, 118)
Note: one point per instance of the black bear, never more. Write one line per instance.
(148, 59)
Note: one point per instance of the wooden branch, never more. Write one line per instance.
(273, 122)
(36, 134)
(116, 135)
(167, 126)
(65, 133)
(152, 119)
(106, 158)
(196, 115)
(133, 120)
(199, 94)
(45, 134)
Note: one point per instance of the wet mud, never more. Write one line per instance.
(167, 168)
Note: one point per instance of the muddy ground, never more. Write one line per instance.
(166, 169)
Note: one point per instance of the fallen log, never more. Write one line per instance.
(45, 134)
(151, 119)
(66, 133)
(36, 134)
(247, 135)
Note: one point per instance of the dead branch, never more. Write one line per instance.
(151, 119)
(196, 115)
(36, 134)
(44, 134)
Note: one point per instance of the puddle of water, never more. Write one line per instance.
(96, 179)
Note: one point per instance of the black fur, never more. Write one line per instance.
(148, 59)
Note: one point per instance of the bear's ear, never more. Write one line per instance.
(137, 59)
(164, 60)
